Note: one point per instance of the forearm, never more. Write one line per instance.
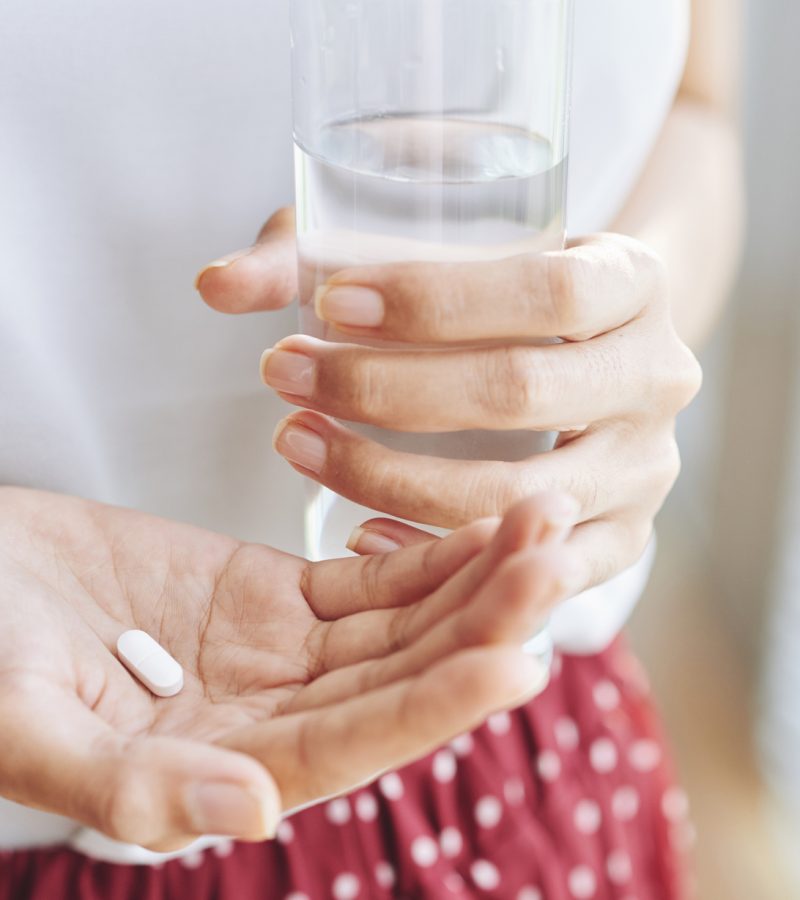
(689, 208)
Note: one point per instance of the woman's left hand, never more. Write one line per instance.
(612, 388)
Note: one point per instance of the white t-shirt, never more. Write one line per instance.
(139, 140)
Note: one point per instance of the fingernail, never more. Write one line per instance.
(289, 373)
(222, 263)
(358, 307)
(231, 810)
(370, 543)
(301, 446)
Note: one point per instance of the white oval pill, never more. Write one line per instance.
(150, 663)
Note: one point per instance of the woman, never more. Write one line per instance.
(152, 404)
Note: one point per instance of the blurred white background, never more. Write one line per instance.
(721, 627)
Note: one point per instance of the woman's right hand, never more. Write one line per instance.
(302, 680)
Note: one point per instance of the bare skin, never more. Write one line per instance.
(302, 681)
(628, 306)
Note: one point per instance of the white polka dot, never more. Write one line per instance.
(488, 812)
(606, 695)
(192, 860)
(451, 842)
(619, 868)
(548, 765)
(582, 883)
(557, 666)
(625, 803)
(285, 833)
(529, 893)
(366, 807)
(444, 766)
(391, 786)
(223, 848)
(463, 744)
(385, 875)
(587, 817)
(346, 886)
(337, 812)
(454, 883)
(567, 734)
(603, 756)
(675, 805)
(424, 851)
(514, 791)
(485, 874)
(644, 756)
(297, 895)
(499, 723)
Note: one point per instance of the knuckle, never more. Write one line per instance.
(498, 488)
(684, 375)
(282, 221)
(439, 302)
(646, 271)
(639, 532)
(584, 486)
(659, 464)
(564, 299)
(664, 473)
(510, 385)
(125, 813)
(378, 474)
(373, 580)
(605, 367)
(427, 301)
(672, 374)
(692, 381)
(660, 475)
(651, 268)
(630, 536)
(363, 386)
(672, 463)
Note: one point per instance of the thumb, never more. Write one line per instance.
(258, 278)
(57, 755)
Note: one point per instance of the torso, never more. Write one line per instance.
(139, 141)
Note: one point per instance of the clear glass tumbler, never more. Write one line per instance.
(425, 130)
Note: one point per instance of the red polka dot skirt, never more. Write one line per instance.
(570, 798)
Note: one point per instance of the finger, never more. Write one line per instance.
(553, 388)
(386, 535)
(596, 285)
(341, 587)
(335, 749)
(606, 547)
(509, 607)
(260, 277)
(447, 493)
(375, 634)
(59, 756)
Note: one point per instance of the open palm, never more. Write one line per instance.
(318, 676)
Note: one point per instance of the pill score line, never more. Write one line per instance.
(150, 663)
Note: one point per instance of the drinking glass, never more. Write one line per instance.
(425, 130)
